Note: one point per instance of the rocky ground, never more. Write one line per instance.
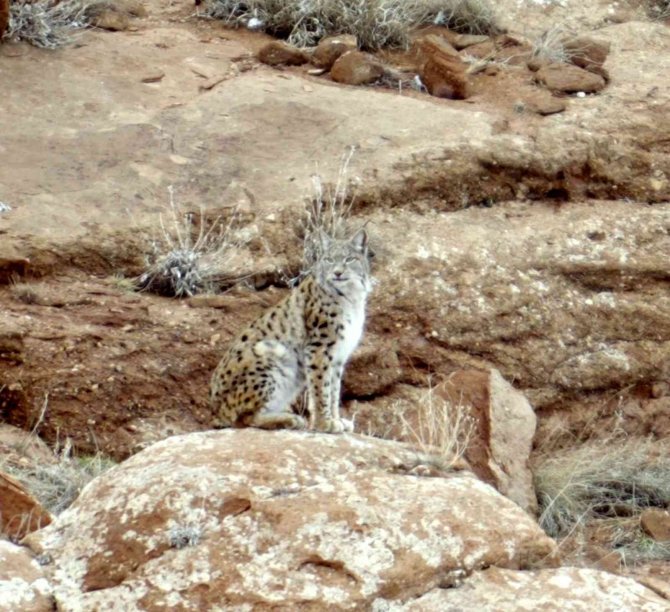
(507, 240)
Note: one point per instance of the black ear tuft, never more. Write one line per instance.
(360, 240)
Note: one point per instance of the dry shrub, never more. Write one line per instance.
(658, 9)
(55, 483)
(439, 429)
(187, 254)
(611, 480)
(550, 46)
(48, 24)
(375, 23)
(328, 213)
(28, 293)
(51, 24)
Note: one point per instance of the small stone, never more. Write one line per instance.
(356, 68)
(535, 63)
(610, 562)
(463, 41)
(331, 48)
(656, 523)
(543, 103)
(211, 83)
(441, 70)
(587, 53)
(569, 79)
(112, 20)
(153, 77)
(278, 53)
(134, 8)
(431, 45)
(445, 77)
(255, 24)
(482, 50)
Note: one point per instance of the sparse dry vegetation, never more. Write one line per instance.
(550, 47)
(47, 24)
(608, 483)
(51, 24)
(659, 9)
(57, 484)
(327, 213)
(375, 23)
(439, 429)
(187, 254)
(28, 293)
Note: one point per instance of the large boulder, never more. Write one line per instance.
(551, 590)
(23, 585)
(278, 519)
(499, 450)
(20, 512)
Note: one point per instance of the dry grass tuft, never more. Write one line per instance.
(327, 213)
(27, 293)
(187, 254)
(47, 24)
(375, 23)
(550, 47)
(607, 480)
(51, 24)
(658, 9)
(57, 484)
(441, 431)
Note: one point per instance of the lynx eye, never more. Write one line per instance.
(328, 260)
(349, 260)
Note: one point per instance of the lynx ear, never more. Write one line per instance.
(360, 240)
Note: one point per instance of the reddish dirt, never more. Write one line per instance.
(113, 370)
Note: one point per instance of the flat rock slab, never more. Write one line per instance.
(96, 156)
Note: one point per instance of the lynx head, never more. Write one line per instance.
(342, 267)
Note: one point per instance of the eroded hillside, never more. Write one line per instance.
(536, 244)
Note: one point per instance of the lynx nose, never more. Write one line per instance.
(338, 272)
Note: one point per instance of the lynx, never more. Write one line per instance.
(304, 341)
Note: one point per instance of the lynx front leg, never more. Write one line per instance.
(320, 391)
(335, 397)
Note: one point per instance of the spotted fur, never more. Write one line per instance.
(304, 341)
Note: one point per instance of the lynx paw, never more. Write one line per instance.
(279, 421)
(335, 426)
(297, 422)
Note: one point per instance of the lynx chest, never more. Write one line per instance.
(353, 320)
